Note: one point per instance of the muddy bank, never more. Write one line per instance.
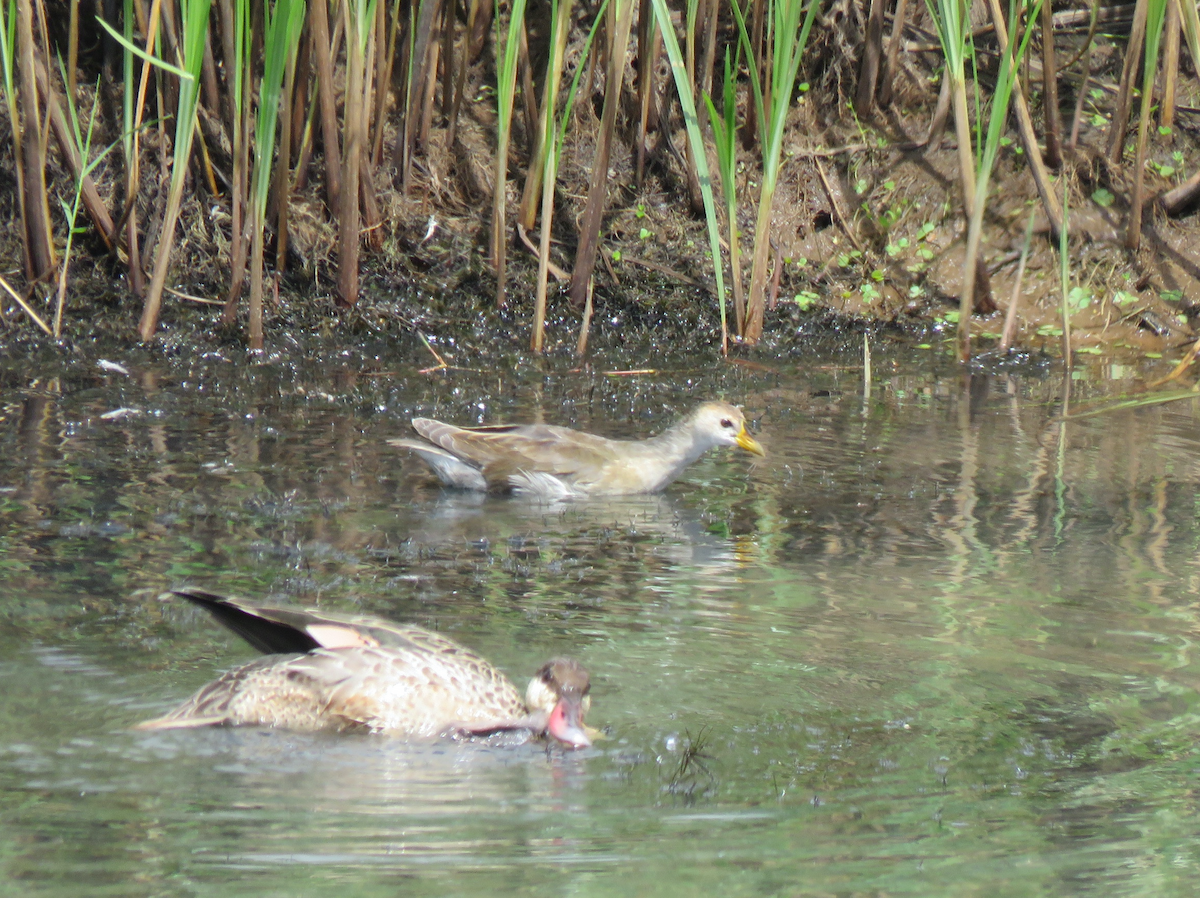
(867, 236)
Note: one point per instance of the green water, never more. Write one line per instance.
(939, 642)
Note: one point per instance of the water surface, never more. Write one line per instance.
(940, 642)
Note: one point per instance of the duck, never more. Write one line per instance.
(326, 672)
(552, 463)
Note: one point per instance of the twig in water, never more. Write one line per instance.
(441, 362)
(27, 308)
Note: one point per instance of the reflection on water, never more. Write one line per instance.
(938, 642)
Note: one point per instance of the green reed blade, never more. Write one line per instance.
(688, 104)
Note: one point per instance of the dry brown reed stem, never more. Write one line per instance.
(72, 49)
(530, 190)
(1133, 57)
(448, 21)
(41, 259)
(750, 128)
(323, 51)
(133, 164)
(1175, 201)
(709, 10)
(353, 128)
(890, 69)
(528, 94)
(868, 76)
(238, 114)
(620, 17)
(460, 80)
(1050, 110)
(386, 57)
(1082, 92)
(1166, 113)
(26, 308)
(422, 24)
(506, 85)
(647, 44)
(1133, 232)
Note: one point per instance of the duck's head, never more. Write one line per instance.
(725, 425)
(560, 692)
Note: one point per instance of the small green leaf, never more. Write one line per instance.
(644, 234)
(805, 300)
(1102, 197)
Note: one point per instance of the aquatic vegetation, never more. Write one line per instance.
(307, 133)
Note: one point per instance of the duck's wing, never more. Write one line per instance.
(449, 468)
(296, 630)
(506, 452)
(271, 631)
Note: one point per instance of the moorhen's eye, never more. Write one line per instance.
(725, 422)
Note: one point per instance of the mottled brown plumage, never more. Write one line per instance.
(344, 674)
(556, 462)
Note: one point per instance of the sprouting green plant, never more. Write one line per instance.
(83, 145)
(1156, 11)
(1064, 279)
(789, 37)
(560, 15)
(725, 141)
(805, 300)
(1010, 60)
(281, 37)
(506, 85)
